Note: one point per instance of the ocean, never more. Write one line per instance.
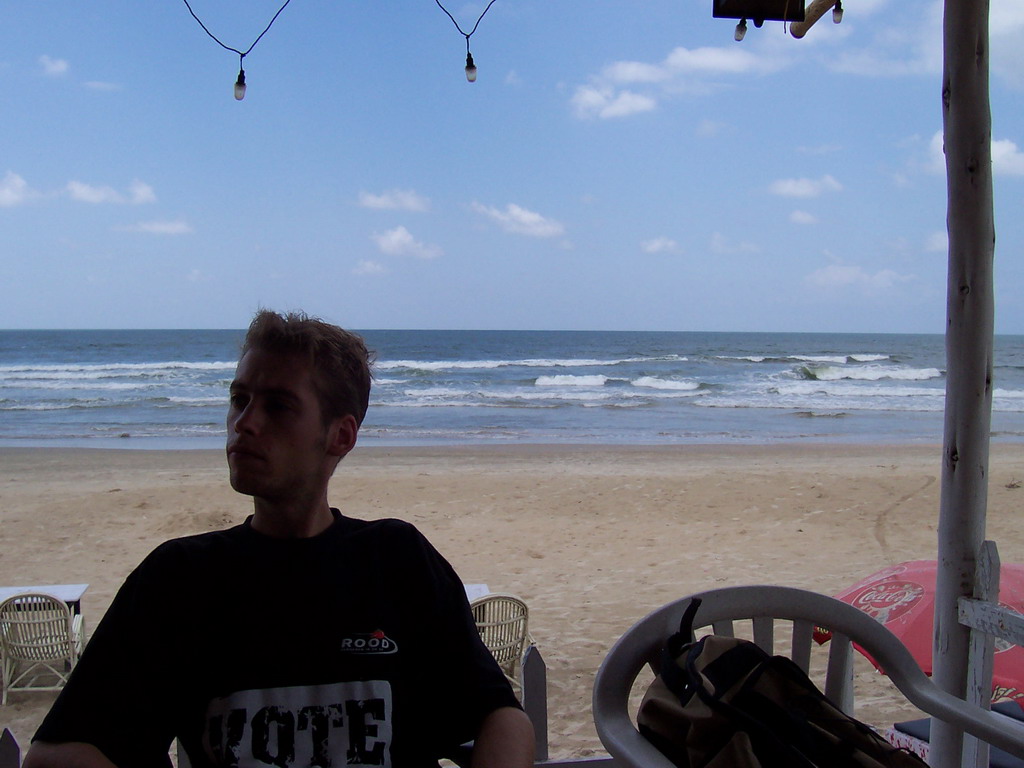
(168, 389)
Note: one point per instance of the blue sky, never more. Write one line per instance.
(617, 165)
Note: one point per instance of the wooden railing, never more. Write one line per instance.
(987, 621)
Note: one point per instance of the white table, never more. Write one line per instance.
(475, 591)
(69, 593)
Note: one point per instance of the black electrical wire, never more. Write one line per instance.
(241, 54)
(467, 36)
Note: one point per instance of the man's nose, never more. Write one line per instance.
(247, 420)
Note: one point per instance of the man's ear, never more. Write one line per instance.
(341, 435)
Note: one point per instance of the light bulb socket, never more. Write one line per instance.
(741, 30)
(470, 68)
(837, 12)
(240, 85)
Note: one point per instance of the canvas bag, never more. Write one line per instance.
(722, 702)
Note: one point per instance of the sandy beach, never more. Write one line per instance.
(593, 538)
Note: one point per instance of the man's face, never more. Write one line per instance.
(276, 442)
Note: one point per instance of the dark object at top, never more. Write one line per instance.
(759, 10)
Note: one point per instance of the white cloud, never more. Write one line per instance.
(400, 242)
(520, 221)
(159, 228)
(138, 193)
(1006, 16)
(875, 63)
(708, 129)
(513, 78)
(141, 193)
(197, 276)
(1007, 157)
(625, 88)
(875, 41)
(14, 190)
(937, 242)
(730, 60)
(53, 67)
(805, 187)
(901, 180)
(369, 268)
(895, 49)
(1006, 25)
(841, 276)
(86, 193)
(635, 72)
(870, 7)
(395, 200)
(803, 217)
(660, 245)
(605, 102)
(723, 245)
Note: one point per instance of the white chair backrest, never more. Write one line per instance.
(766, 605)
(40, 642)
(36, 627)
(503, 622)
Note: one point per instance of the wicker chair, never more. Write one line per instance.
(503, 622)
(40, 642)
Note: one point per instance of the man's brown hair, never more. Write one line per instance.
(339, 358)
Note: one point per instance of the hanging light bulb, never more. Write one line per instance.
(837, 12)
(741, 30)
(240, 85)
(470, 68)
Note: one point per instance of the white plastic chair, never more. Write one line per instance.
(766, 606)
(504, 625)
(40, 642)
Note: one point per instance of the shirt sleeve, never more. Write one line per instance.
(458, 681)
(118, 697)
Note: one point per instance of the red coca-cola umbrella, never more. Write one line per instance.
(902, 598)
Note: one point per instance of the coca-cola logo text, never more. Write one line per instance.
(888, 600)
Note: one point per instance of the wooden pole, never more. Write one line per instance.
(967, 131)
(812, 13)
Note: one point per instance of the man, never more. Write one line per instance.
(301, 637)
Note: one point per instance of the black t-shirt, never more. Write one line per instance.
(354, 647)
